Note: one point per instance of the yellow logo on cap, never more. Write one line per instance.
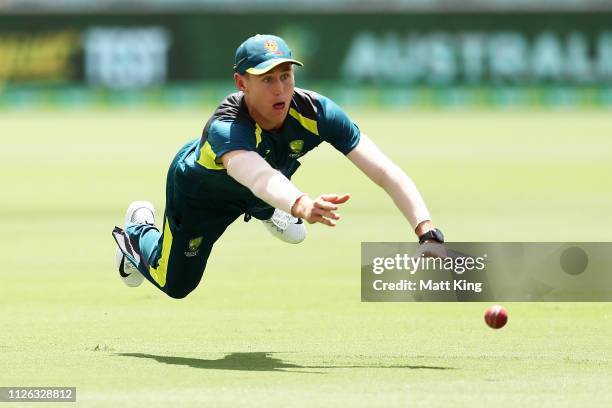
(271, 45)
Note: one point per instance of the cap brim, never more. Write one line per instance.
(269, 64)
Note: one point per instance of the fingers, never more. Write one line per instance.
(329, 197)
(342, 199)
(314, 218)
(327, 214)
(323, 215)
(334, 198)
(324, 221)
(324, 207)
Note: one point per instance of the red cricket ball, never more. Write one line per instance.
(496, 317)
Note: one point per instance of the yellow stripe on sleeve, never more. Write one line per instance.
(208, 158)
(308, 124)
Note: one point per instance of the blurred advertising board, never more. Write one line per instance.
(407, 52)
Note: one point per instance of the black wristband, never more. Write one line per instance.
(432, 235)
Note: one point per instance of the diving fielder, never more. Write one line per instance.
(242, 165)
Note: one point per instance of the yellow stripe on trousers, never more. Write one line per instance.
(159, 273)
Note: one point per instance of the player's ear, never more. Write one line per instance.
(240, 82)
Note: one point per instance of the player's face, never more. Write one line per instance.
(268, 96)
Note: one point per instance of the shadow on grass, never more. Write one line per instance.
(257, 361)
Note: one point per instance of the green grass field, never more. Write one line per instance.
(274, 325)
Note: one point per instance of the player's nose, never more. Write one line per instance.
(280, 85)
(277, 88)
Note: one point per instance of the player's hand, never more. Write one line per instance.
(322, 209)
(432, 249)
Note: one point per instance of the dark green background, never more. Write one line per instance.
(203, 44)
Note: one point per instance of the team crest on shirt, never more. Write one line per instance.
(296, 147)
(193, 247)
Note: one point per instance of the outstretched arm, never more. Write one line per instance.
(252, 171)
(382, 171)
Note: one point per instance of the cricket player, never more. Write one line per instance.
(242, 165)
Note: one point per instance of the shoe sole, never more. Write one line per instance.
(132, 279)
(128, 279)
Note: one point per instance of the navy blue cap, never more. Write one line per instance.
(260, 53)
